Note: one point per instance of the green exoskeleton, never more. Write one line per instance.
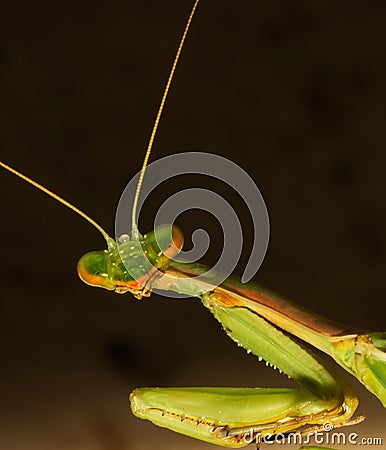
(263, 323)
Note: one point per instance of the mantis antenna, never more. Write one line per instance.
(64, 202)
(156, 123)
(57, 198)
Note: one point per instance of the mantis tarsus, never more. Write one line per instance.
(329, 395)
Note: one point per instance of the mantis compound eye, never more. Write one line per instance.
(176, 244)
(93, 270)
(169, 239)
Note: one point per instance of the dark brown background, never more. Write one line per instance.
(293, 92)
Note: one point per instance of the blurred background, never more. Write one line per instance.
(293, 92)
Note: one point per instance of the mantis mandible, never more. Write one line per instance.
(256, 319)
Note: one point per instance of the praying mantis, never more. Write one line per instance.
(221, 436)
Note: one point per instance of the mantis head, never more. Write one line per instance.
(128, 263)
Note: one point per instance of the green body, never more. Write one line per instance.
(363, 354)
(262, 323)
